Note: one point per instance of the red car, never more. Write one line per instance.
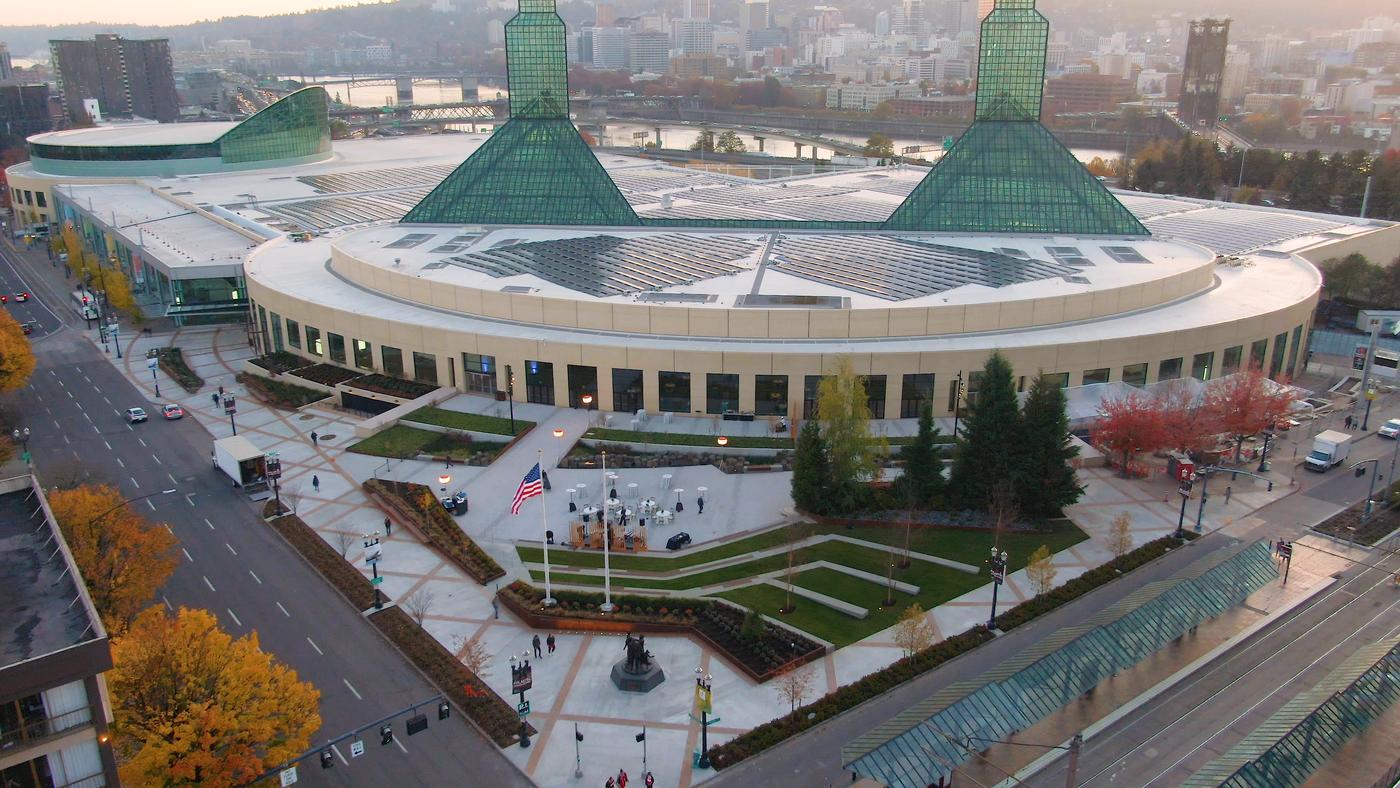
(28, 328)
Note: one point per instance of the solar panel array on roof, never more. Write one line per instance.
(455, 244)
(661, 180)
(409, 241)
(747, 195)
(897, 188)
(1125, 254)
(896, 269)
(818, 209)
(690, 210)
(1234, 230)
(324, 213)
(1069, 255)
(1146, 207)
(680, 298)
(604, 265)
(373, 180)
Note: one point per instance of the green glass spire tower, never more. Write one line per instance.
(1008, 173)
(535, 169)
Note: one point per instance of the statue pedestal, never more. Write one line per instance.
(646, 681)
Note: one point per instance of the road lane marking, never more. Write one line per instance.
(206, 582)
(189, 499)
(70, 396)
(148, 503)
(167, 525)
(172, 478)
(133, 481)
(352, 689)
(338, 755)
(85, 377)
(86, 416)
(206, 522)
(119, 462)
(141, 441)
(190, 557)
(230, 548)
(319, 651)
(284, 610)
(65, 440)
(157, 459)
(255, 577)
(168, 606)
(108, 445)
(402, 748)
(233, 616)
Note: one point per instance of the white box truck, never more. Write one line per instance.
(244, 463)
(1329, 448)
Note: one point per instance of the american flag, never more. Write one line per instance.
(530, 486)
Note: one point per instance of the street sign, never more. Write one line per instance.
(1285, 549)
(998, 576)
(523, 708)
(374, 581)
(522, 678)
(152, 363)
(357, 748)
(373, 551)
(288, 776)
(1185, 490)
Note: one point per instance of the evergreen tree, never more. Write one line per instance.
(811, 475)
(922, 481)
(1047, 483)
(990, 438)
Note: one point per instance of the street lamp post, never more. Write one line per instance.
(957, 403)
(998, 577)
(1360, 469)
(521, 679)
(704, 698)
(230, 407)
(510, 396)
(153, 361)
(374, 551)
(22, 436)
(1185, 491)
(559, 436)
(112, 328)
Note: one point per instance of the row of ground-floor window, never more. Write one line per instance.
(680, 391)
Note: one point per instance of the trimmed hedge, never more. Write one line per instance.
(279, 394)
(391, 386)
(172, 363)
(845, 697)
(326, 374)
(1041, 604)
(417, 503)
(473, 422)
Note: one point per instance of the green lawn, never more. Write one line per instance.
(685, 439)
(823, 622)
(475, 422)
(401, 441)
(593, 559)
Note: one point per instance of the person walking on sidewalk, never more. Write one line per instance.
(388, 525)
(1228, 490)
(314, 438)
(536, 643)
(549, 643)
(315, 483)
(700, 504)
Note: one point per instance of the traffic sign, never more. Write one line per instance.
(374, 581)
(288, 776)
(1285, 549)
(152, 363)
(523, 708)
(357, 748)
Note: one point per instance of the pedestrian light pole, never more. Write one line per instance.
(957, 402)
(510, 396)
(998, 561)
(114, 329)
(374, 551)
(521, 679)
(704, 698)
(21, 436)
(1360, 470)
(153, 361)
(230, 407)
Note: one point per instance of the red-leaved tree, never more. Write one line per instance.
(1128, 425)
(1186, 423)
(1245, 404)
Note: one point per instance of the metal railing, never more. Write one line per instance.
(39, 730)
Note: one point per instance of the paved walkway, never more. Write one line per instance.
(570, 685)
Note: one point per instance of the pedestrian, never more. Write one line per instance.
(536, 643)
(621, 778)
(215, 397)
(1228, 490)
(314, 438)
(315, 483)
(1348, 422)
(495, 611)
(388, 525)
(212, 461)
(549, 643)
(611, 783)
(700, 504)
(221, 391)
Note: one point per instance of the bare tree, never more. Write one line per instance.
(345, 540)
(793, 685)
(913, 632)
(472, 654)
(1120, 535)
(418, 603)
(793, 537)
(1002, 506)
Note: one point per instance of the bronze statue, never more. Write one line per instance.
(638, 658)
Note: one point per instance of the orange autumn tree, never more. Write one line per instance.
(1244, 404)
(193, 706)
(123, 557)
(1130, 424)
(16, 356)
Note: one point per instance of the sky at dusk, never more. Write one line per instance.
(153, 12)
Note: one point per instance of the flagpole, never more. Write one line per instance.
(544, 522)
(607, 605)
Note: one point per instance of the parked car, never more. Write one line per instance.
(135, 415)
(678, 541)
(172, 412)
(460, 503)
(1390, 429)
(22, 296)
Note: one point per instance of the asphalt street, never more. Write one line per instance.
(814, 758)
(230, 562)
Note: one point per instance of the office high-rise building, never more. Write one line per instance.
(127, 77)
(604, 15)
(697, 9)
(912, 19)
(693, 36)
(7, 70)
(1203, 72)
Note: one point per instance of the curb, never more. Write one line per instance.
(1034, 767)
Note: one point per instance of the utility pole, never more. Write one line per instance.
(1366, 371)
(1072, 768)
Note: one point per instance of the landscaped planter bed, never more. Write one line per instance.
(760, 657)
(392, 387)
(279, 394)
(417, 504)
(468, 422)
(326, 374)
(845, 697)
(1347, 526)
(337, 571)
(956, 521)
(492, 714)
(279, 363)
(620, 457)
(1041, 604)
(172, 363)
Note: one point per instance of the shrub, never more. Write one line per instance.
(280, 362)
(172, 363)
(393, 387)
(279, 394)
(417, 502)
